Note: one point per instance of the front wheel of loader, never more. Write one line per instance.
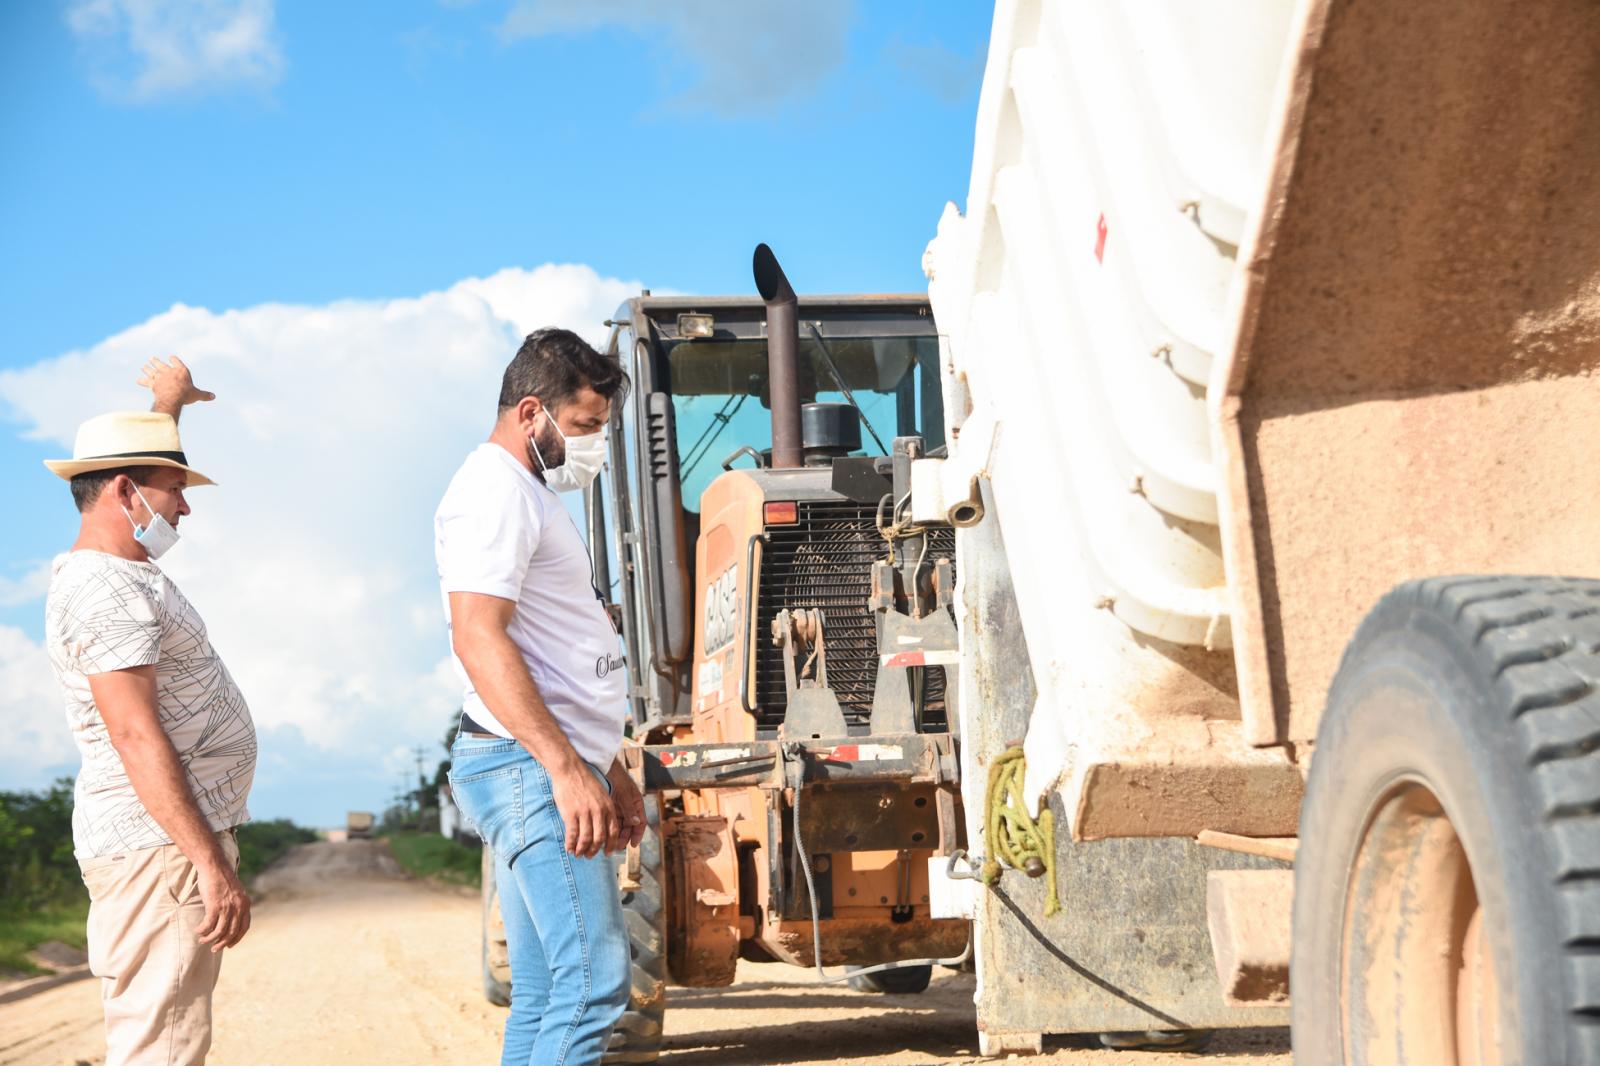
(1159, 1040)
(1447, 883)
(496, 958)
(901, 981)
(637, 1036)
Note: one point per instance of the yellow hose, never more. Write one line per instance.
(1014, 835)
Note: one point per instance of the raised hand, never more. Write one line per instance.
(172, 385)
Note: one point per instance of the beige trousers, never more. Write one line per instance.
(155, 975)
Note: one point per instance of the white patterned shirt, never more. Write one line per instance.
(107, 613)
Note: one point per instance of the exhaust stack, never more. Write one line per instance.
(783, 357)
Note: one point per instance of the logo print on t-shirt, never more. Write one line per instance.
(607, 663)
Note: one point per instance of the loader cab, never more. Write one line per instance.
(696, 431)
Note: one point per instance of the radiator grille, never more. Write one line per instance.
(825, 561)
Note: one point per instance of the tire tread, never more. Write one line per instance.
(638, 1033)
(1537, 639)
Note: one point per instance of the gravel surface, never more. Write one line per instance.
(350, 961)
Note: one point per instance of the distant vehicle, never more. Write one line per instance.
(358, 825)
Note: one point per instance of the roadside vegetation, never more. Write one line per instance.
(42, 897)
(433, 856)
(411, 826)
(263, 843)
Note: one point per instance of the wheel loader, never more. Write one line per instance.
(788, 627)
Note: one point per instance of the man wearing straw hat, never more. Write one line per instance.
(168, 746)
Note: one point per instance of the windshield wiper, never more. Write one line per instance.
(719, 422)
(838, 378)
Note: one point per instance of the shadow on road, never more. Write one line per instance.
(771, 1023)
(845, 1039)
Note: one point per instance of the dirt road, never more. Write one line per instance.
(350, 961)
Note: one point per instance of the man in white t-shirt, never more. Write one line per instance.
(536, 764)
(168, 746)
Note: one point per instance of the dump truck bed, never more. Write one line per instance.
(1254, 312)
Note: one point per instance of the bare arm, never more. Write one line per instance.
(173, 387)
(479, 634)
(126, 700)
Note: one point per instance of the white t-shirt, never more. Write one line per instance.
(107, 613)
(501, 532)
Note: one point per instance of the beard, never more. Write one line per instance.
(550, 445)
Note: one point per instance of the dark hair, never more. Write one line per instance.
(554, 365)
(86, 488)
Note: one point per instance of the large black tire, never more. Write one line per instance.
(901, 981)
(496, 959)
(1447, 885)
(637, 1036)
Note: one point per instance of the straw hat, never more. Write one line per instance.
(126, 438)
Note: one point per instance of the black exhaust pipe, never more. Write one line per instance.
(783, 357)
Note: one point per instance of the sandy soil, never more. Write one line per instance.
(350, 961)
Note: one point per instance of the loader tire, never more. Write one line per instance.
(1171, 1040)
(637, 1035)
(904, 981)
(1447, 883)
(496, 958)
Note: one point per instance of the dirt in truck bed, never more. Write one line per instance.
(349, 960)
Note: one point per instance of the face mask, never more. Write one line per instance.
(156, 537)
(585, 456)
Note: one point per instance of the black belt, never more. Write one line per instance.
(469, 726)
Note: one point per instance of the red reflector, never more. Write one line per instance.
(782, 514)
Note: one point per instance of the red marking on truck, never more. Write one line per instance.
(947, 657)
(865, 753)
(1100, 240)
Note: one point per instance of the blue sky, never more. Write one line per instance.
(345, 197)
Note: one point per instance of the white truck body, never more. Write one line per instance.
(1084, 297)
(1256, 312)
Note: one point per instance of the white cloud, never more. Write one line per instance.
(141, 50)
(27, 587)
(335, 431)
(38, 746)
(732, 57)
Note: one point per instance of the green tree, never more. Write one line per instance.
(36, 862)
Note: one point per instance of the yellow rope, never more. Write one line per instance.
(1014, 836)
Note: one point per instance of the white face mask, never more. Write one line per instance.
(158, 535)
(585, 456)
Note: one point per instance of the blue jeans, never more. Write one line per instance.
(570, 964)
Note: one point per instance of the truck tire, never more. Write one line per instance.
(1447, 884)
(496, 957)
(904, 981)
(637, 1036)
